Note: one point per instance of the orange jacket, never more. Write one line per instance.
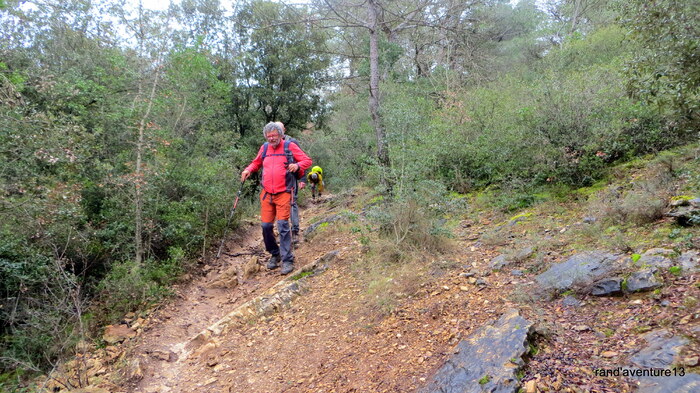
(274, 166)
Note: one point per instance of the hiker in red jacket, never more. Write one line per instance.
(279, 161)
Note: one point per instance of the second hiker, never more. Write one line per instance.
(294, 215)
(315, 177)
(280, 161)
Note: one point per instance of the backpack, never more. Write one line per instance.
(291, 180)
(287, 152)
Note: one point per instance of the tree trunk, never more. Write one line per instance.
(574, 18)
(374, 99)
(139, 179)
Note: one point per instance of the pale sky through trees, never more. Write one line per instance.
(228, 4)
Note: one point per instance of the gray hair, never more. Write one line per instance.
(272, 126)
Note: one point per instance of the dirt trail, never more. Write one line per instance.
(200, 304)
(327, 340)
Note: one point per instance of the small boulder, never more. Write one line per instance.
(589, 219)
(656, 257)
(570, 301)
(581, 270)
(499, 262)
(690, 261)
(250, 268)
(607, 287)
(487, 361)
(524, 253)
(686, 214)
(643, 280)
(310, 232)
(661, 353)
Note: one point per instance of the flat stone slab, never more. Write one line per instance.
(116, 334)
(581, 270)
(661, 354)
(661, 351)
(487, 361)
(689, 383)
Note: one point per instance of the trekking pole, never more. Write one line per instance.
(230, 216)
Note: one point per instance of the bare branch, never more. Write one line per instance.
(348, 16)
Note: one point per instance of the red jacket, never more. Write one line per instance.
(274, 170)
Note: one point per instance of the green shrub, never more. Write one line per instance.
(125, 288)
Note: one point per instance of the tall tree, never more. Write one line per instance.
(283, 64)
(376, 17)
(666, 69)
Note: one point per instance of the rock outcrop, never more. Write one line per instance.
(487, 361)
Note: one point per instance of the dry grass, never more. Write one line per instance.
(642, 200)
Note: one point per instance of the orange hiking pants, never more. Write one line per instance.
(275, 206)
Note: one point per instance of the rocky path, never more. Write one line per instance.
(477, 319)
(330, 339)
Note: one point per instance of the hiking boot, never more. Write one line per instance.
(287, 267)
(273, 262)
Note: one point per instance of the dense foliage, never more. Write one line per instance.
(119, 157)
(123, 130)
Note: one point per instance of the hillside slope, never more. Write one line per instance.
(353, 321)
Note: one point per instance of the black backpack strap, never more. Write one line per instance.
(264, 151)
(288, 153)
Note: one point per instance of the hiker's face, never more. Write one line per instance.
(273, 138)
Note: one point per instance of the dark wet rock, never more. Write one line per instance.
(607, 287)
(689, 261)
(581, 270)
(643, 280)
(589, 220)
(665, 303)
(487, 361)
(517, 273)
(481, 282)
(661, 351)
(570, 301)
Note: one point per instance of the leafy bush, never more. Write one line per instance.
(409, 227)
